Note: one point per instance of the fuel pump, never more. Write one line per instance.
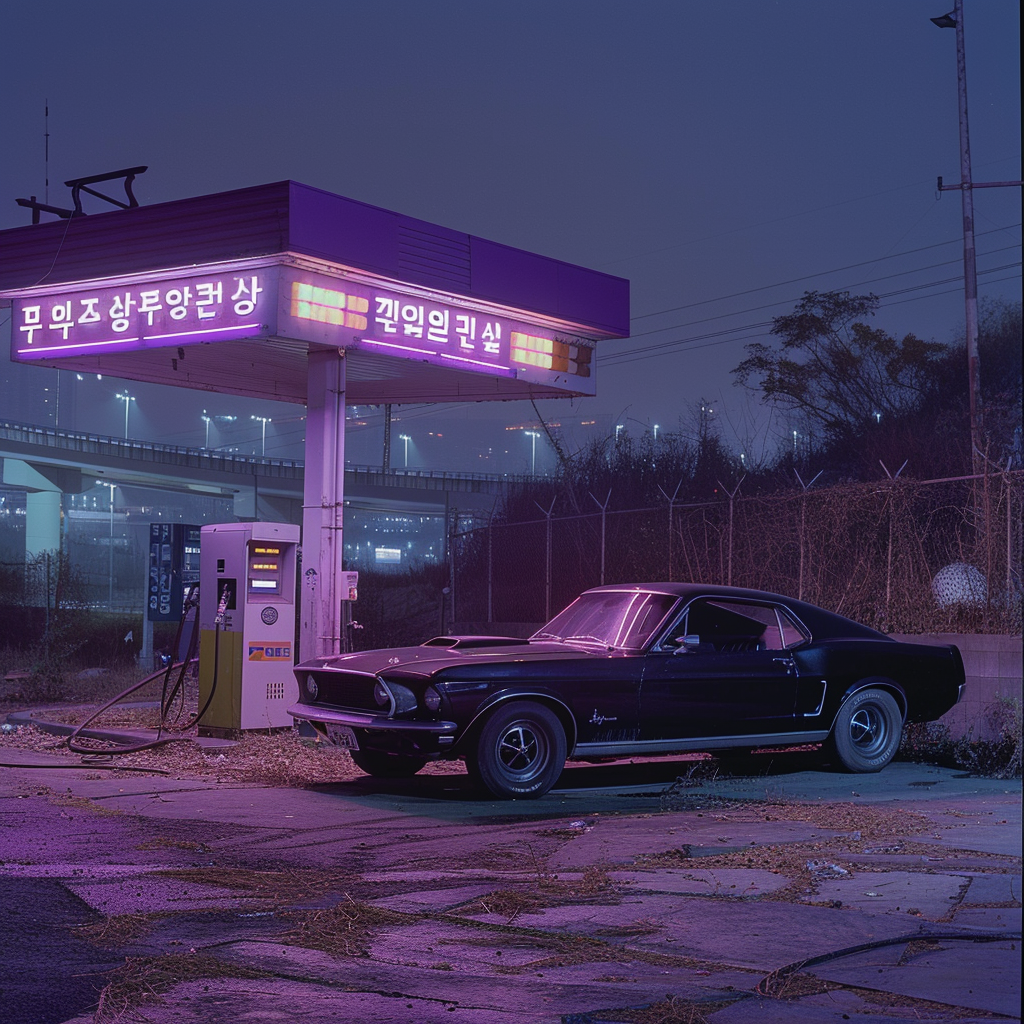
(247, 625)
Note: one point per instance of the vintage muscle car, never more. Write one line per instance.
(631, 670)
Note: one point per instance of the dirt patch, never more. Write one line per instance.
(278, 759)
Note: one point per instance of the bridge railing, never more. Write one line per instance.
(213, 460)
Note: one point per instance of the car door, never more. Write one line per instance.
(605, 698)
(732, 677)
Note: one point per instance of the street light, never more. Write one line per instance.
(533, 435)
(618, 428)
(110, 576)
(264, 420)
(206, 419)
(406, 439)
(656, 429)
(127, 399)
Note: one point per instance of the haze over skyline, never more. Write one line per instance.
(725, 158)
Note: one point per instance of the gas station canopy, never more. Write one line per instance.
(232, 292)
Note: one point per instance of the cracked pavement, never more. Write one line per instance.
(414, 901)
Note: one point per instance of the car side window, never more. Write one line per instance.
(793, 634)
(733, 627)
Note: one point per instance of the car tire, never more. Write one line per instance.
(387, 766)
(867, 731)
(521, 751)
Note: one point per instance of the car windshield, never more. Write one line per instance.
(623, 619)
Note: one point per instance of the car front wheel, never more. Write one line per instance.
(521, 751)
(867, 731)
(387, 766)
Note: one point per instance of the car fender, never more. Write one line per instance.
(558, 706)
(876, 683)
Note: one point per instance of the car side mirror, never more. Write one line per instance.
(690, 642)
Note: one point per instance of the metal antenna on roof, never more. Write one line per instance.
(80, 185)
(46, 146)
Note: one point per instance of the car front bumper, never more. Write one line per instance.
(375, 732)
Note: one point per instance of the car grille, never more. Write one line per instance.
(350, 690)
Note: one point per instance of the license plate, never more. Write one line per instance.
(343, 736)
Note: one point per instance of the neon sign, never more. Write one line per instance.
(90, 319)
(407, 326)
(278, 299)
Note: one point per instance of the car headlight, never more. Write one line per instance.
(311, 688)
(431, 699)
(395, 697)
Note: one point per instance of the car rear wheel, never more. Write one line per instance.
(521, 751)
(387, 766)
(867, 731)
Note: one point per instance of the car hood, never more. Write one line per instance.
(435, 655)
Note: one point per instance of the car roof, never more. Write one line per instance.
(822, 623)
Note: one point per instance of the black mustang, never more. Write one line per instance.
(631, 670)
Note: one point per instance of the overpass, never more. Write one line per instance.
(46, 463)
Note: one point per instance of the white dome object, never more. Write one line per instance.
(959, 584)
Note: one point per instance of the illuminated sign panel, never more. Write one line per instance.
(278, 299)
(90, 319)
(397, 324)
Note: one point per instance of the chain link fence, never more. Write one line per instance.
(903, 556)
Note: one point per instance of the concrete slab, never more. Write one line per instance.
(828, 1008)
(532, 995)
(756, 934)
(979, 976)
(985, 889)
(899, 782)
(434, 901)
(903, 892)
(977, 824)
(149, 895)
(621, 840)
(989, 919)
(731, 882)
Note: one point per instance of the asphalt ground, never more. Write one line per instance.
(661, 891)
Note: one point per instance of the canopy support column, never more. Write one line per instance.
(323, 505)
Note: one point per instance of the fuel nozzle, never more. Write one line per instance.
(222, 607)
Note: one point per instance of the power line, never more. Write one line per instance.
(660, 348)
(823, 273)
(782, 302)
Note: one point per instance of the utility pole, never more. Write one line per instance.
(955, 20)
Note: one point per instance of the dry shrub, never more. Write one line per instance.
(931, 743)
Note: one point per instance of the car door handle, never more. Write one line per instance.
(789, 663)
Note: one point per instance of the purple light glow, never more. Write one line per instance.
(80, 319)
(347, 314)
(277, 299)
(431, 355)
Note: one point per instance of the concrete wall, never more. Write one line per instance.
(993, 665)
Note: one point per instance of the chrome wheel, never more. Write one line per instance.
(867, 731)
(521, 750)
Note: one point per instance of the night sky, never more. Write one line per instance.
(723, 156)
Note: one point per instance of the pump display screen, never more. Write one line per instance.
(265, 566)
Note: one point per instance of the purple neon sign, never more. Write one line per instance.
(216, 304)
(93, 319)
(378, 319)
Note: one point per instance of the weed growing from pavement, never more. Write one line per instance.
(143, 980)
(115, 931)
(346, 929)
(673, 1010)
